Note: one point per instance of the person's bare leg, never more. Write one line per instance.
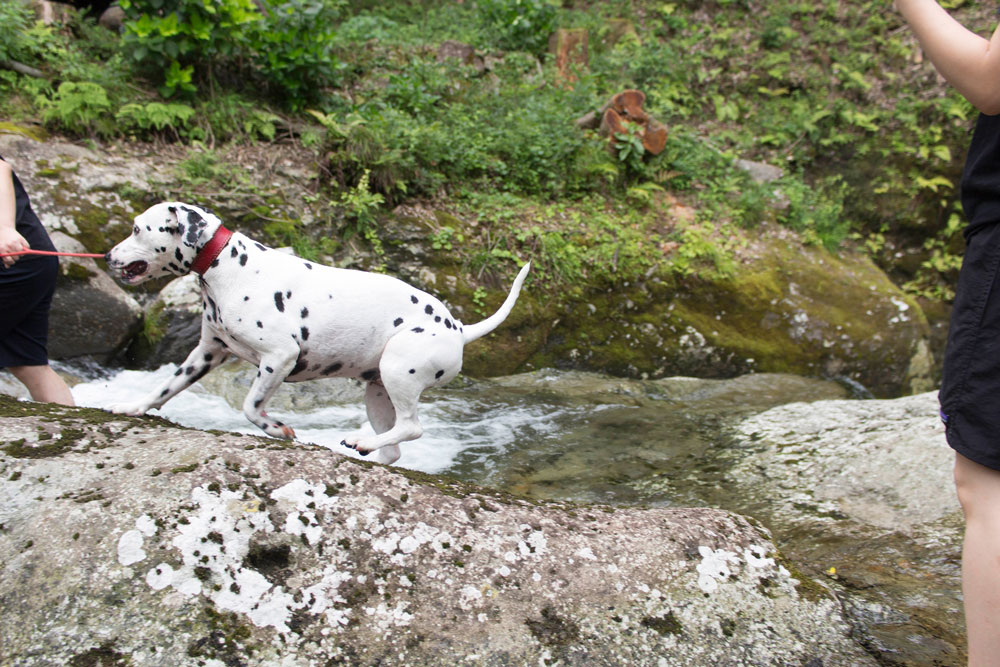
(44, 384)
(979, 493)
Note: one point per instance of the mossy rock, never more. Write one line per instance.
(789, 309)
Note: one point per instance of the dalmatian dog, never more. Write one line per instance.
(297, 320)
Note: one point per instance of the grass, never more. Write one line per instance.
(869, 140)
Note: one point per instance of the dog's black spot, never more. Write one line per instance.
(260, 247)
(279, 302)
(317, 367)
(220, 342)
(243, 260)
(234, 252)
(438, 375)
(309, 266)
(201, 373)
(332, 368)
(299, 367)
(260, 324)
(437, 318)
(417, 330)
(212, 265)
(257, 403)
(208, 356)
(429, 309)
(178, 372)
(164, 392)
(179, 230)
(195, 224)
(305, 333)
(175, 268)
(370, 375)
(304, 313)
(447, 324)
(412, 371)
(414, 299)
(135, 230)
(268, 369)
(189, 370)
(246, 298)
(397, 321)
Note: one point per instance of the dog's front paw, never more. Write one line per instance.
(279, 430)
(130, 409)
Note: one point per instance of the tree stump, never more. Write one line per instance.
(625, 109)
(569, 45)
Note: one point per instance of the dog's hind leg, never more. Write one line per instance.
(273, 370)
(382, 417)
(410, 363)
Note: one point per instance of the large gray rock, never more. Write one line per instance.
(90, 314)
(865, 489)
(176, 316)
(126, 538)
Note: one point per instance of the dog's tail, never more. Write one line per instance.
(471, 332)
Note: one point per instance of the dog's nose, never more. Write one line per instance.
(107, 256)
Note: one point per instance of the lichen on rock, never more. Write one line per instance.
(294, 553)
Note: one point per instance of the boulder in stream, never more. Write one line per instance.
(135, 539)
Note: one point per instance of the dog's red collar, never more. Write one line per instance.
(210, 250)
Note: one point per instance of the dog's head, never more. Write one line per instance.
(165, 240)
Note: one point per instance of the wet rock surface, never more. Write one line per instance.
(175, 546)
(857, 493)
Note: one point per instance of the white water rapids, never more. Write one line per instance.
(452, 424)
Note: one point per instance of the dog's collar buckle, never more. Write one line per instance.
(210, 251)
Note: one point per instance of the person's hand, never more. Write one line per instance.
(11, 241)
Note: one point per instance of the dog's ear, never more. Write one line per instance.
(173, 224)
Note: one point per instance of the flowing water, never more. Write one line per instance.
(592, 438)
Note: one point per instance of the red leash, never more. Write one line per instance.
(51, 252)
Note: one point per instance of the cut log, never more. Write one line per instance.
(624, 109)
(569, 45)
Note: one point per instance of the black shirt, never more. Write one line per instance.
(30, 227)
(981, 176)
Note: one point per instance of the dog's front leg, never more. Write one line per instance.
(273, 370)
(207, 355)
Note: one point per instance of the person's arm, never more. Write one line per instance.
(10, 240)
(966, 60)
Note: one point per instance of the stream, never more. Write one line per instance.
(592, 438)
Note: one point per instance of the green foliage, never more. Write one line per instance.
(155, 116)
(938, 272)
(16, 42)
(442, 239)
(869, 141)
(360, 206)
(79, 107)
(817, 211)
(292, 49)
(518, 25)
(628, 145)
(186, 40)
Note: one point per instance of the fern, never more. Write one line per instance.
(77, 107)
(155, 116)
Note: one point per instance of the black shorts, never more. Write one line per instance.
(970, 387)
(25, 297)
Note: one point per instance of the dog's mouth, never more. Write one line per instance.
(133, 271)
